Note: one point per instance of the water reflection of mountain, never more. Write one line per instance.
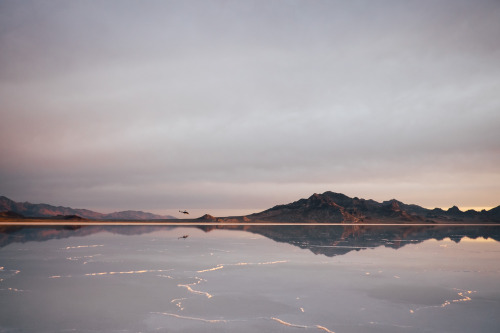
(23, 234)
(325, 240)
(338, 240)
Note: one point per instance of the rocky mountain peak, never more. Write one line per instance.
(208, 218)
(394, 205)
(454, 210)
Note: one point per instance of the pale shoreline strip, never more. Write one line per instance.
(152, 223)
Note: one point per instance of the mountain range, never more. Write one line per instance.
(328, 207)
(331, 207)
(12, 209)
(338, 208)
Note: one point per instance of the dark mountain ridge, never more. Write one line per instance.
(10, 208)
(331, 207)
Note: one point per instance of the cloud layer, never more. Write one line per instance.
(220, 104)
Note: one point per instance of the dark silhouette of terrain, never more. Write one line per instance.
(329, 207)
(12, 209)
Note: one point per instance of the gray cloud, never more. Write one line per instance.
(243, 104)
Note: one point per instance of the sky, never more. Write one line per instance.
(232, 107)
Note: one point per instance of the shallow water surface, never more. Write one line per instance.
(249, 279)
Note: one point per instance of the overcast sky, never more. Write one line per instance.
(229, 107)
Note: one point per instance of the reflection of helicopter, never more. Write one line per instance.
(184, 212)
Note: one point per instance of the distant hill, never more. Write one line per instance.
(331, 207)
(10, 208)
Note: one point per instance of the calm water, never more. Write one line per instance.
(250, 279)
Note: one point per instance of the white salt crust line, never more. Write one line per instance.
(301, 326)
(388, 325)
(462, 293)
(211, 269)
(114, 273)
(130, 272)
(212, 321)
(218, 250)
(192, 318)
(324, 329)
(82, 258)
(12, 273)
(220, 266)
(80, 247)
(191, 290)
(15, 290)
(15, 271)
(287, 323)
(178, 302)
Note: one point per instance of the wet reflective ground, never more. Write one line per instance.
(249, 279)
